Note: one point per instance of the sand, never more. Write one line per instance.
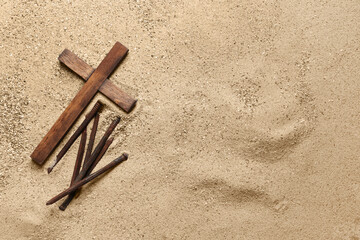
(247, 125)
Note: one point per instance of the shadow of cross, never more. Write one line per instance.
(94, 82)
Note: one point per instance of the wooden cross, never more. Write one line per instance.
(95, 80)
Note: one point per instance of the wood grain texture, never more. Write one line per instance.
(78, 104)
(110, 90)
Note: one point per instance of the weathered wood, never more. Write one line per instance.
(76, 64)
(110, 90)
(78, 104)
(79, 184)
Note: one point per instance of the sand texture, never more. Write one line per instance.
(247, 125)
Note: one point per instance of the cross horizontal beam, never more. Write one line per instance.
(110, 90)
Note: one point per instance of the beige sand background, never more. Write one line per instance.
(247, 125)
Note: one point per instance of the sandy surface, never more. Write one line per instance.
(247, 125)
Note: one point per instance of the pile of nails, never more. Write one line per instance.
(82, 173)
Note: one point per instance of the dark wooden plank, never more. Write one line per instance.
(77, 105)
(76, 64)
(110, 90)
